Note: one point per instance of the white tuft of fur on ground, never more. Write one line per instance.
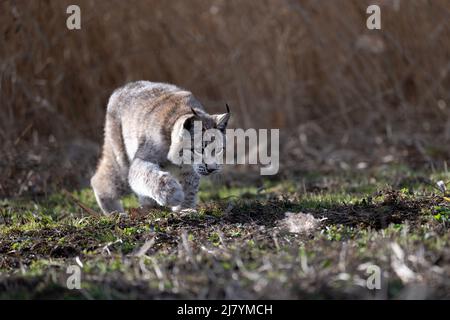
(300, 223)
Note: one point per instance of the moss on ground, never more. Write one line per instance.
(237, 244)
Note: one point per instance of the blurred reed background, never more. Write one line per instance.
(343, 96)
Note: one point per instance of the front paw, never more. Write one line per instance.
(170, 192)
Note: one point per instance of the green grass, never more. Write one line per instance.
(238, 244)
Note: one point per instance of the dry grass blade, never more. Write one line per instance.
(80, 204)
(24, 132)
(145, 247)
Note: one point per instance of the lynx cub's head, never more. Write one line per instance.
(198, 139)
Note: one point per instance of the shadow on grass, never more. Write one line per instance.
(391, 207)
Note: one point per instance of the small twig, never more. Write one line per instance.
(145, 247)
(24, 132)
(80, 204)
(106, 247)
(187, 248)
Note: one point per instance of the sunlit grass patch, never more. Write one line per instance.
(235, 234)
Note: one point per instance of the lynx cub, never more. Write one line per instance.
(143, 133)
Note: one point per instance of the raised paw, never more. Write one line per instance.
(170, 193)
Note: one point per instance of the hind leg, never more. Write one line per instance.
(108, 187)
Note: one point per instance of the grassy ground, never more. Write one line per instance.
(240, 244)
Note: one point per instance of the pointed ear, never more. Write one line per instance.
(188, 123)
(222, 119)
